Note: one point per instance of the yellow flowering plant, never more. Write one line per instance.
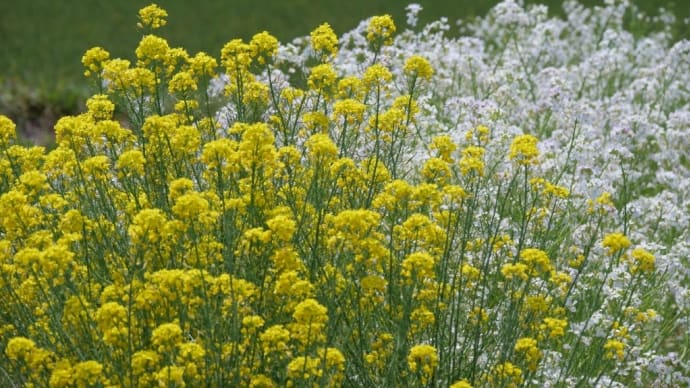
(236, 228)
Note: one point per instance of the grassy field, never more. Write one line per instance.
(43, 41)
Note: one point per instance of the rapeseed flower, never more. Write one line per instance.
(418, 67)
(615, 349)
(324, 41)
(524, 150)
(152, 16)
(380, 30)
(152, 50)
(310, 311)
(423, 359)
(643, 260)
(94, 60)
(303, 213)
(529, 349)
(264, 47)
(615, 242)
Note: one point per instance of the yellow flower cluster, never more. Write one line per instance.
(324, 41)
(615, 242)
(417, 66)
(423, 359)
(380, 30)
(527, 347)
(94, 59)
(524, 150)
(152, 16)
(286, 239)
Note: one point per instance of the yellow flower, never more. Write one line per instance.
(191, 356)
(556, 191)
(349, 87)
(334, 365)
(315, 122)
(192, 208)
(510, 271)
(554, 327)
(561, 280)
(461, 384)
(322, 78)
(376, 76)
(262, 381)
(185, 141)
(324, 41)
(93, 60)
(536, 260)
(152, 49)
(19, 348)
(166, 337)
(423, 359)
(100, 107)
(350, 227)
(33, 182)
(508, 371)
(471, 161)
(321, 148)
(152, 16)
(436, 170)
(203, 65)
(114, 72)
(97, 166)
(182, 83)
(421, 319)
(179, 187)
(419, 265)
(7, 130)
(144, 362)
(221, 154)
(251, 325)
(275, 339)
(444, 146)
(644, 260)
(605, 199)
(614, 349)
(61, 375)
(418, 67)
(310, 311)
(131, 162)
(170, 376)
(147, 226)
(303, 368)
(257, 147)
(524, 150)
(286, 259)
(140, 80)
(111, 318)
(528, 347)
(380, 30)
(236, 54)
(87, 373)
(158, 126)
(255, 93)
(351, 111)
(264, 47)
(282, 227)
(176, 59)
(615, 242)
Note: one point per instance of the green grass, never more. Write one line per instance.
(42, 41)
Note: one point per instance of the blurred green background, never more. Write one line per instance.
(42, 41)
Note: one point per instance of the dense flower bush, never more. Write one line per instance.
(510, 207)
